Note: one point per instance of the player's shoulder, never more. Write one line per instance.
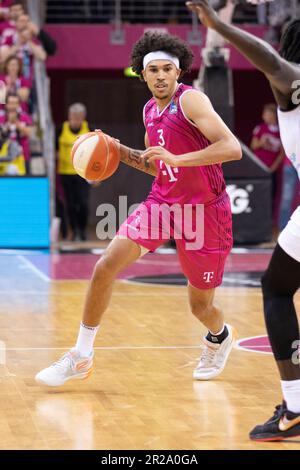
(193, 98)
(191, 93)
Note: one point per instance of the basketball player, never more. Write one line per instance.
(282, 278)
(187, 142)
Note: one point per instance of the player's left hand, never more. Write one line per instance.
(160, 153)
(205, 12)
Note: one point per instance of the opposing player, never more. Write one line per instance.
(187, 142)
(282, 278)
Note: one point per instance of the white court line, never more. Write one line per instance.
(17, 252)
(106, 348)
(221, 290)
(133, 348)
(34, 269)
(82, 294)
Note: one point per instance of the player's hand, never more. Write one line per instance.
(205, 12)
(160, 153)
(102, 132)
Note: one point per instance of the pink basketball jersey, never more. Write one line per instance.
(171, 129)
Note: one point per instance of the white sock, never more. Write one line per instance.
(85, 340)
(291, 394)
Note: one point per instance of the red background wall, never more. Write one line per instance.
(89, 46)
(88, 68)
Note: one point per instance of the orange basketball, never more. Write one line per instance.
(95, 156)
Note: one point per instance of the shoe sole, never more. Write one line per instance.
(234, 338)
(82, 376)
(274, 439)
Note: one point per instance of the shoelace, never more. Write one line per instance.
(64, 363)
(208, 355)
(278, 412)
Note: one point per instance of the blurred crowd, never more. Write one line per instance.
(21, 43)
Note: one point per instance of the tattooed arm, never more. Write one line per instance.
(135, 159)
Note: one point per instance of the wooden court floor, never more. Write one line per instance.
(141, 395)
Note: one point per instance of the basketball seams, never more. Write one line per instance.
(77, 143)
(107, 153)
(89, 173)
(78, 155)
(113, 153)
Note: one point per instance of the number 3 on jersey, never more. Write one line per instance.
(161, 140)
(170, 171)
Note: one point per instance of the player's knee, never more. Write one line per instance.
(278, 302)
(105, 268)
(273, 285)
(200, 308)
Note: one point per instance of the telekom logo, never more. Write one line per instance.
(208, 276)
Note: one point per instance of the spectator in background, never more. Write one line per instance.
(266, 143)
(12, 161)
(44, 38)
(15, 82)
(76, 189)
(8, 27)
(17, 125)
(25, 47)
(12, 32)
(4, 9)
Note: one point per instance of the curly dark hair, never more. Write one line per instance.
(290, 42)
(154, 41)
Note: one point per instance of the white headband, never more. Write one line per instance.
(160, 55)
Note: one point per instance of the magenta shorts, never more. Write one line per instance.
(203, 235)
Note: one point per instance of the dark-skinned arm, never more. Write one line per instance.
(279, 72)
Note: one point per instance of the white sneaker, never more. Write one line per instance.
(70, 366)
(214, 357)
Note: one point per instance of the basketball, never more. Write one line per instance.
(95, 156)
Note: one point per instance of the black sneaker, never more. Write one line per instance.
(282, 425)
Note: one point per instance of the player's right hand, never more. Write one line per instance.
(205, 12)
